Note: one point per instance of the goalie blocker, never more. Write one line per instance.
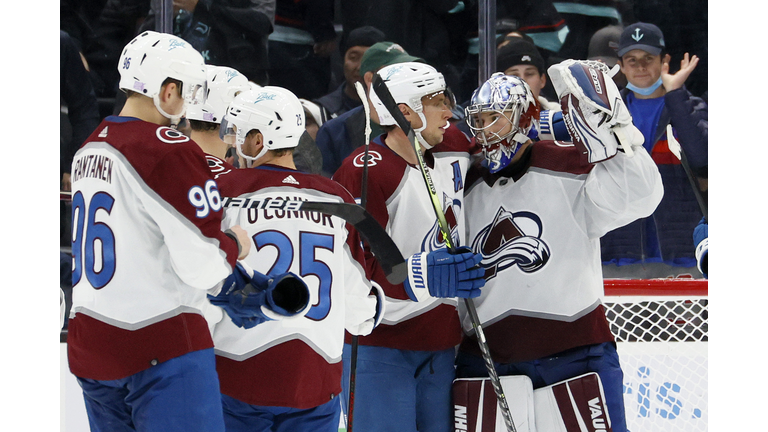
(574, 405)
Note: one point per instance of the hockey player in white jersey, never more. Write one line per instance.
(536, 212)
(147, 248)
(406, 366)
(286, 375)
(223, 84)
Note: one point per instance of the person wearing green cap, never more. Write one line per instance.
(337, 138)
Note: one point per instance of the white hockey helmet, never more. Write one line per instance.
(152, 57)
(408, 83)
(274, 111)
(510, 98)
(224, 83)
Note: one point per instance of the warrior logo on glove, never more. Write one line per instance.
(512, 239)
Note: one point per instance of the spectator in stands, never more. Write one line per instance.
(685, 28)
(79, 117)
(603, 46)
(338, 137)
(519, 57)
(583, 18)
(78, 100)
(345, 97)
(538, 19)
(230, 33)
(659, 246)
(117, 24)
(301, 46)
(418, 26)
(78, 17)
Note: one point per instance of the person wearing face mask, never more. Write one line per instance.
(658, 246)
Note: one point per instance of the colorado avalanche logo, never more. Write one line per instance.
(373, 157)
(170, 136)
(512, 239)
(216, 166)
(435, 238)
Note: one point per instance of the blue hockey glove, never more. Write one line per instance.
(701, 241)
(442, 274)
(251, 298)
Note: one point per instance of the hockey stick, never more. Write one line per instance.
(386, 98)
(363, 201)
(382, 246)
(677, 150)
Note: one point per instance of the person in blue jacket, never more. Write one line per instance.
(659, 246)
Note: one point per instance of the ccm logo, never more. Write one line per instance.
(596, 81)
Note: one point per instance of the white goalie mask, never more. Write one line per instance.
(501, 113)
(224, 83)
(408, 83)
(274, 111)
(152, 57)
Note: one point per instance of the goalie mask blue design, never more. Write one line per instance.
(501, 114)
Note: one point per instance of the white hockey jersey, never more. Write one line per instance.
(146, 245)
(294, 362)
(538, 228)
(397, 197)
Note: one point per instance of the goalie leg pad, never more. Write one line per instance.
(476, 408)
(574, 405)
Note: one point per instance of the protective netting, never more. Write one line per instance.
(662, 345)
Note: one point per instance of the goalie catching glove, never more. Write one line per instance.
(251, 298)
(441, 273)
(594, 113)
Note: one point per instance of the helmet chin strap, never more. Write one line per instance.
(417, 132)
(249, 160)
(174, 118)
(520, 138)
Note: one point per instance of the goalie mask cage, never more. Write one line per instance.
(661, 333)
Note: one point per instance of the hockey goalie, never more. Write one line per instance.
(536, 210)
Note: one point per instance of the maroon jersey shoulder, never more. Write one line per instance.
(454, 140)
(241, 181)
(218, 166)
(385, 170)
(559, 156)
(147, 146)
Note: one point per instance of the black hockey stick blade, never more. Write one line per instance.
(382, 246)
(381, 90)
